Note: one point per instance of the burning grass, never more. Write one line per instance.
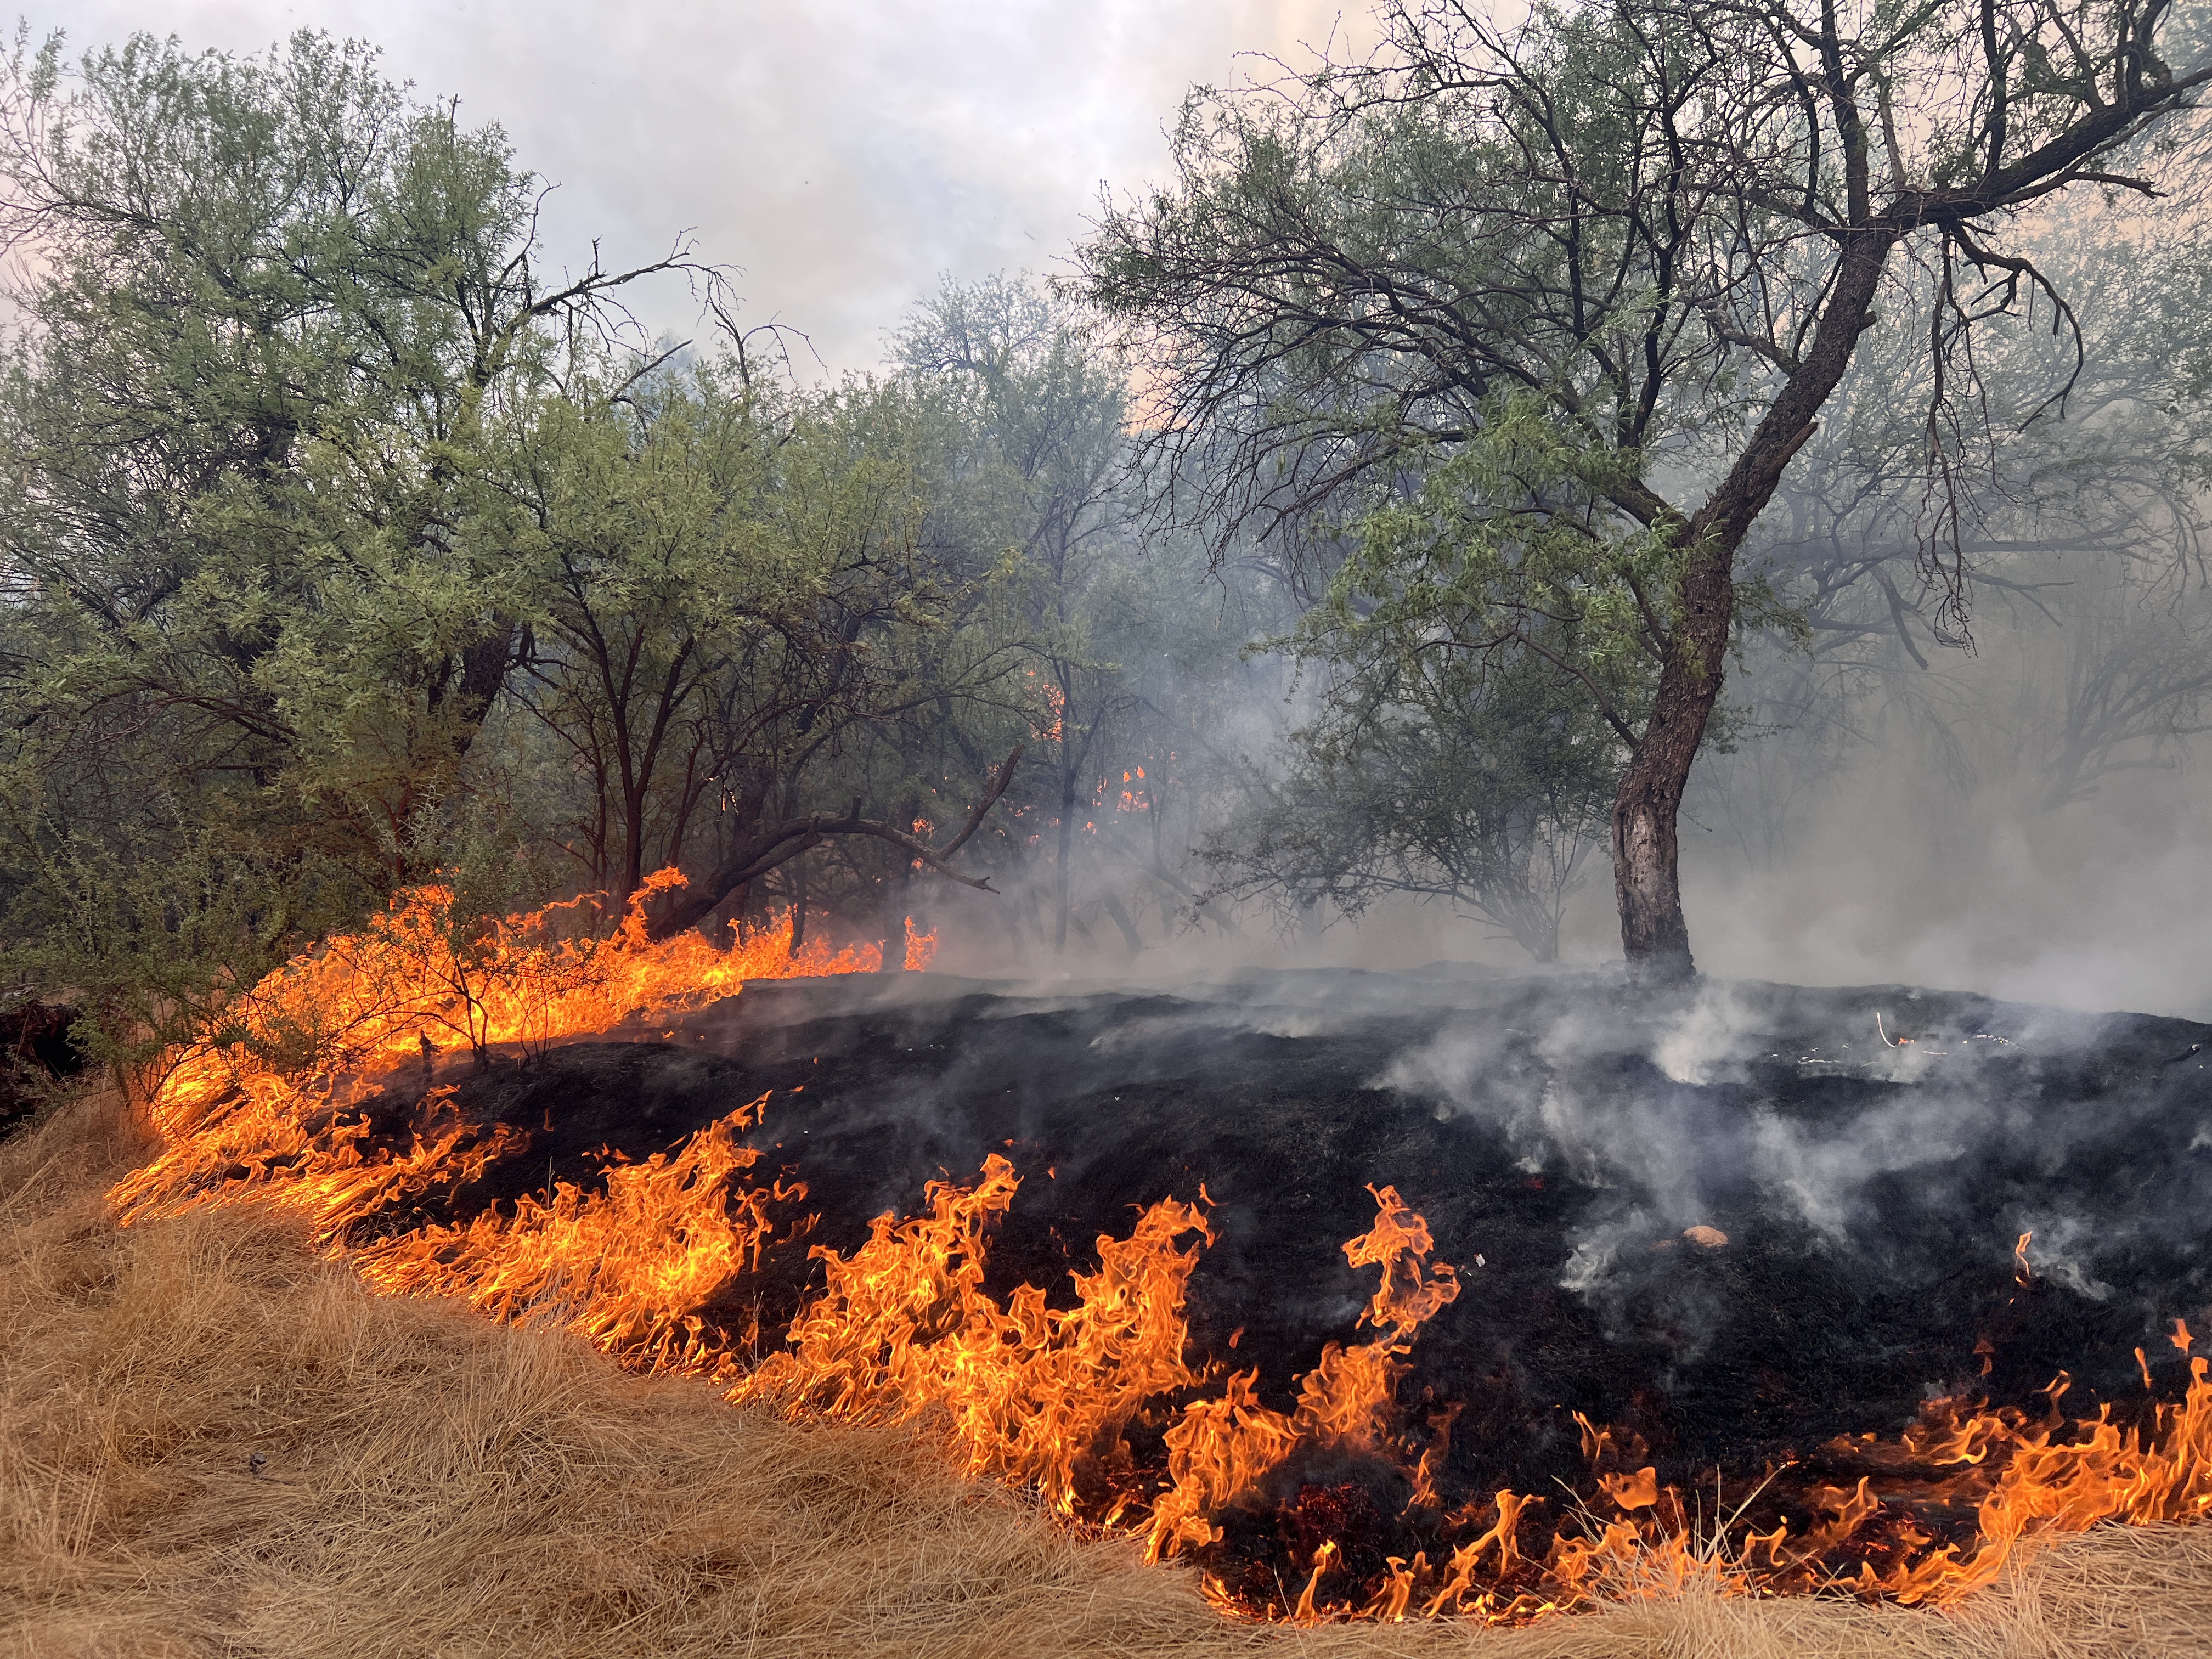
(264, 1099)
(213, 1441)
(1100, 1406)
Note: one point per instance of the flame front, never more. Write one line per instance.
(1034, 1394)
(630, 1262)
(1223, 1448)
(274, 1109)
(269, 1101)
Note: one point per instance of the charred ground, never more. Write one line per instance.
(1871, 1155)
(1286, 1096)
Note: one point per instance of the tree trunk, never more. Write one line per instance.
(1121, 917)
(899, 889)
(1645, 880)
(633, 838)
(771, 846)
(1060, 869)
(1646, 883)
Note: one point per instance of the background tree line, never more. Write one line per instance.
(1475, 456)
(350, 548)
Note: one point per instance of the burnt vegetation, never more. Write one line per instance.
(1814, 1273)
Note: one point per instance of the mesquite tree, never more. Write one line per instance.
(1053, 404)
(1411, 780)
(1540, 314)
(730, 585)
(270, 322)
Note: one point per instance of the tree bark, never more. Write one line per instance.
(1646, 878)
(1120, 919)
(1646, 881)
(899, 891)
(1060, 867)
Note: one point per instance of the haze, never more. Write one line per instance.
(845, 159)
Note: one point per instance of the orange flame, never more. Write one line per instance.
(271, 1100)
(1220, 1450)
(1032, 1394)
(272, 1108)
(629, 1262)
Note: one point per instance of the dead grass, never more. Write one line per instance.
(436, 1484)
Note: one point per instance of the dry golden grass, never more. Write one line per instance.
(436, 1484)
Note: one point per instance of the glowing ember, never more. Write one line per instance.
(1096, 1399)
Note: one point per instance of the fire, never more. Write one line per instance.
(1222, 1449)
(1033, 1395)
(1055, 729)
(630, 1262)
(271, 1100)
(1097, 1401)
(921, 948)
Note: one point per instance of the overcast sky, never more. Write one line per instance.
(841, 154)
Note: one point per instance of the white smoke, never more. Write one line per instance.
(1712, 1032)
(1666, 1158)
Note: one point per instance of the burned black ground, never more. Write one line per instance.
(1559, 1134)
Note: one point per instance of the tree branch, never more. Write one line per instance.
(780, 843)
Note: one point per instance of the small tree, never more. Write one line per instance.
(277, 322)
(1657, 228)
(1051, 403)
(273, 324)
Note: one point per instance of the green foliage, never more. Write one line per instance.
(1486, 651)
(1508, 540)
(266, 418)
(1540, 312)
(152, 950)
(742, 597)
(1482, 779)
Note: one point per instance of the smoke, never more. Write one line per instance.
(1898, 828)
(2095, 905)
(1711, 1034)
(2062, 1247)
(844, 160)
(1715, 1108)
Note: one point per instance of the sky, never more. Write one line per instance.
(841, 156)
